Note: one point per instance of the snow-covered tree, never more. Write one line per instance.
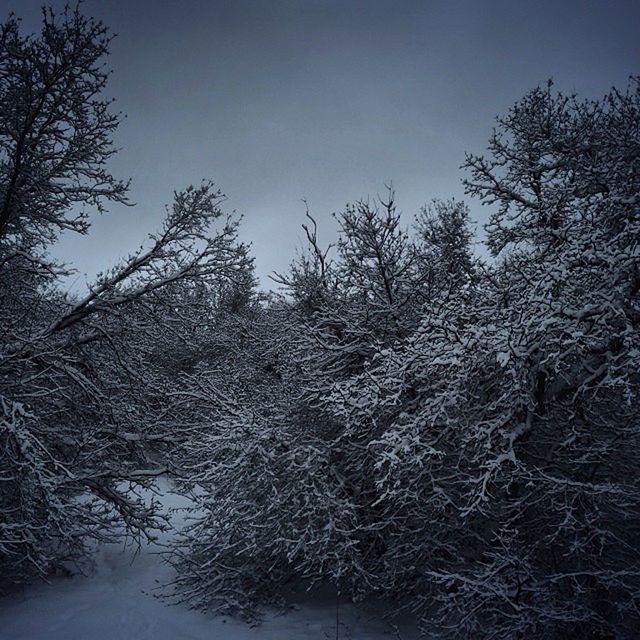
(75, 370)
(444, 259)
(510, 417)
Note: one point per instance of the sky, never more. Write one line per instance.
(279, 101)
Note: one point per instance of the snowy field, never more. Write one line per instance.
(118, 601)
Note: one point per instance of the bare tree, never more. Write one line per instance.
(77, 383)
(55, 128)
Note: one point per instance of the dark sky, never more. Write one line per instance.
(277, 101)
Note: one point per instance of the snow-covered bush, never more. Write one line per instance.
(267, 507)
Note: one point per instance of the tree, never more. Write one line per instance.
(566, 175)
(509, 419)
(444, 247)
(55, 129)
(77, 386)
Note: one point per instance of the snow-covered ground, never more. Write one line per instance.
(118, 602)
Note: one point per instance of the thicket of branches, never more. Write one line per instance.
(401, 419)
(458, 435)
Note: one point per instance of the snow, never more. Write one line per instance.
(118, 601)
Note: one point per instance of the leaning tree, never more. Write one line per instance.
(77, 370)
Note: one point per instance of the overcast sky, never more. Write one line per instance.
(277, 101)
